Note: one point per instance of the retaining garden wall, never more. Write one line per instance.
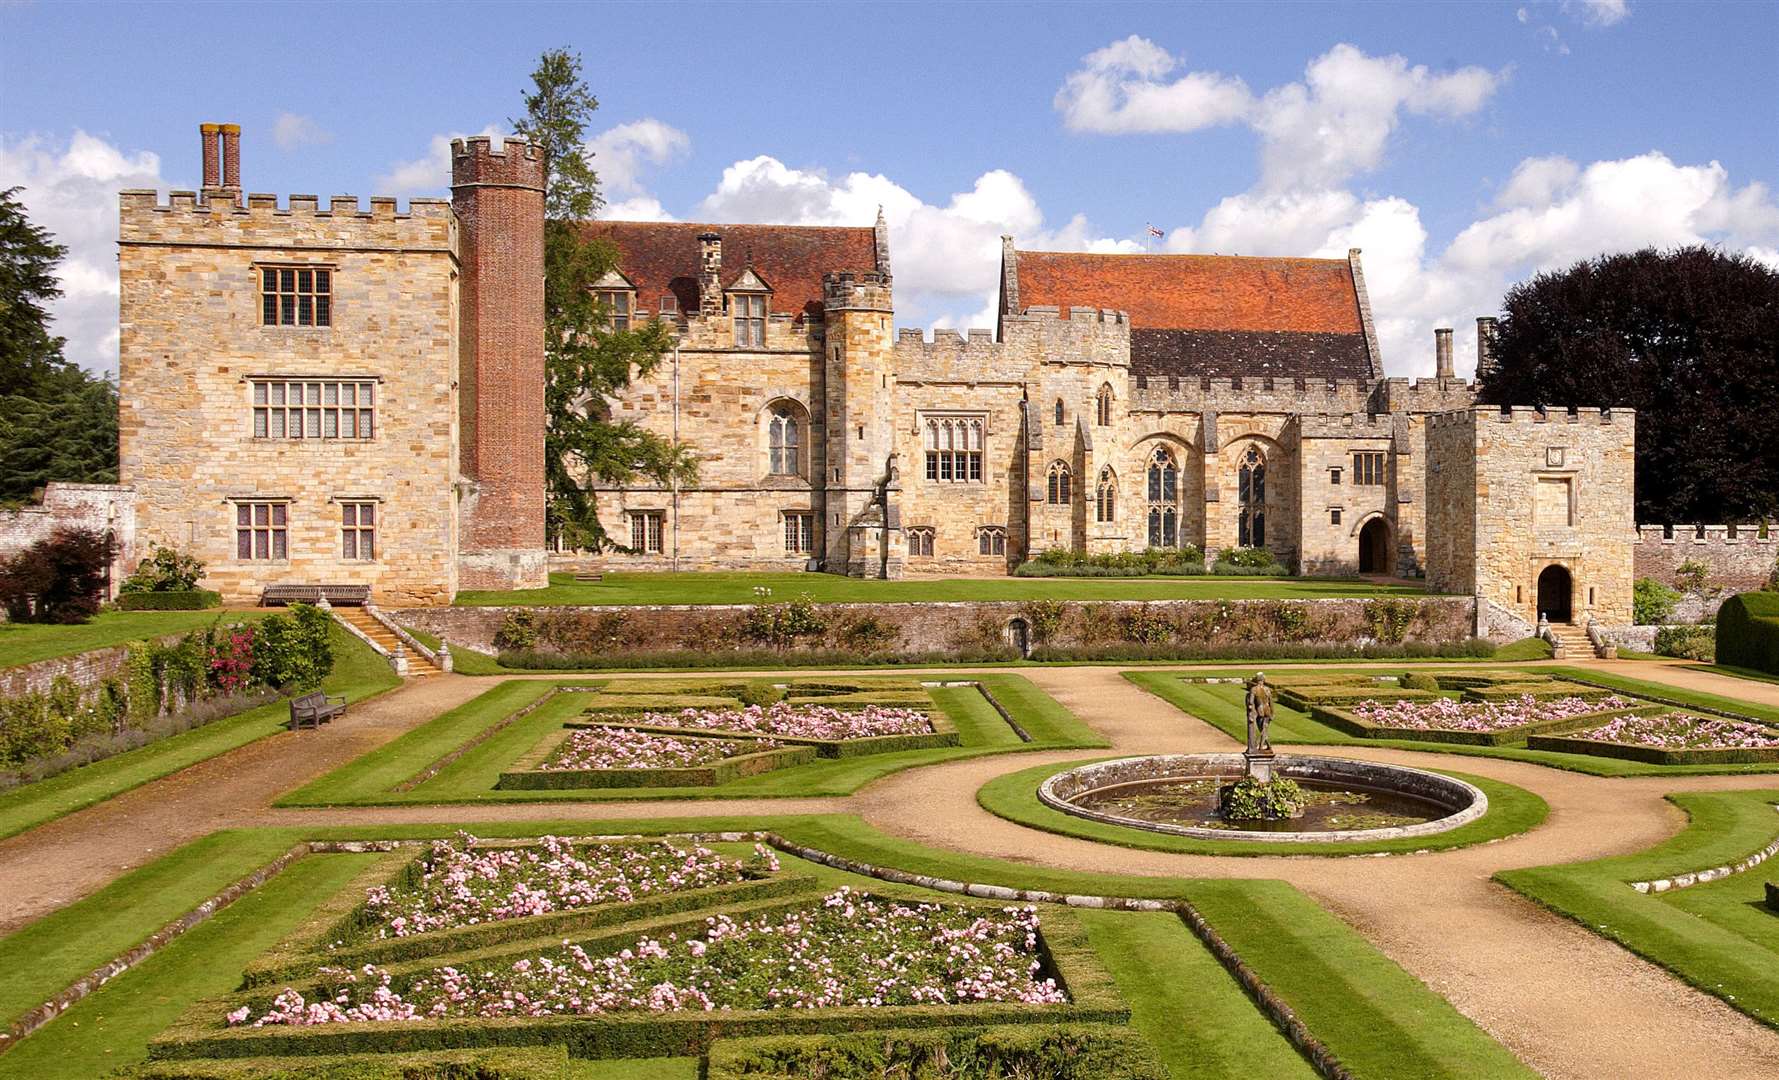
(973, 625)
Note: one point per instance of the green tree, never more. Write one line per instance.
(57, 422)
(587, 361)
(1690, 339)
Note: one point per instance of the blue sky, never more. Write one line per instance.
(1461, 145)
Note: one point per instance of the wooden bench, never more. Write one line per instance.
(352, 595)
(314, 710)
(588, 575)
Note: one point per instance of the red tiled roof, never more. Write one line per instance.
(1197, 292)
(661, 257)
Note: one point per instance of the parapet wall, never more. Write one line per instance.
(1734, 562)
(428, 224)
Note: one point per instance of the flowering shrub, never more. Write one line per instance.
(852, 950)
(1444, 714)
(1684, 731)
(230, 659)
(459, 884)
(623, 748)
(800, 721)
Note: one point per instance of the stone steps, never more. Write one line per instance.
(419, 667)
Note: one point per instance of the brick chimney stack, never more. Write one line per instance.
(710, 275)
(1485, 347)
(231, 156)
(208, 134)
(1442, 352)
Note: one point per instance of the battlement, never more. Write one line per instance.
(1690, 535)
(1353, 425)
(262, 205)
(1073, 314)
(857, 290)
(474, 161)
(1270, 395)
(1529, 414)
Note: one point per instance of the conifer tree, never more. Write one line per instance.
(587, 361)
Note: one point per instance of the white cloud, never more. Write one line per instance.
(72, 191)
(1328, 127)
(429, 174)
(1599, 12)
(946, 255)
(620, 153)
(292, 132)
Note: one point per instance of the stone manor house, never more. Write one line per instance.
(334, 393)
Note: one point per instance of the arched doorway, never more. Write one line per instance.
(1019, 635)
(1554, 589)
(1374, 547)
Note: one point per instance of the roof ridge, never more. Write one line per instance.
(722, 224)
(1185, 255)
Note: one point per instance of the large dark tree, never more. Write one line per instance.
(587, 360)
(1690, 339)
(56, 421)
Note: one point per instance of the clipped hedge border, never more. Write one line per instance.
(1342, 720)
(717, 772)
(944, 733)
(1095, 999)
(173, 600)
(480, 737)
(507, 1063)
(1053, 1051)
(1653, 755)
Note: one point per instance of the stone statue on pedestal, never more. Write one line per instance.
(1259, 714)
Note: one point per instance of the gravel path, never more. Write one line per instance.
(1568, 1002)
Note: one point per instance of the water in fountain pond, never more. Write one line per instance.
(1193, 801)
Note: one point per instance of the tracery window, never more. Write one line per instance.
(1103, 407)
(920, 542)
(1251, 498)
(991, 540)
(954, 448)
(1164, 499)
(1105, 501)
(1057, 488)
(784, 439)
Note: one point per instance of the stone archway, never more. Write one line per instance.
(1374, 547)
(1556, 591)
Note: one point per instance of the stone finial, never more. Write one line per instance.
(880, 239)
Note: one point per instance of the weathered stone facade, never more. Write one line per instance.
(100, 508)
(1735, 557)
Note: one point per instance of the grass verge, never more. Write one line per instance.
(25, 643)
(1713, 936)
(1512, 810)
(358, 673)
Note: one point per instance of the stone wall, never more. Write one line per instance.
(1736, 563)
(87, 670)
(973, 625)
(95, 507)
(193, 343)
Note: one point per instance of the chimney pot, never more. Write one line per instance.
(231, 156)
(710, 277)
(1442, 352)
(1485, 347)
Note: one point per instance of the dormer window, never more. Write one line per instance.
(616, 296)
(747, 305)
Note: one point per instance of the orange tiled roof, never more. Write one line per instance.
(661, 257)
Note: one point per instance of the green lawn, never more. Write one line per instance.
(738, 588)
(358, 673)
(1378, 1020)
(1221, 706)
(1715, 936)
(370, 780)
(1512, 810)
(24, 643)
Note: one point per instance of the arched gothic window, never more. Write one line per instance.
(920, 542)
(954, 448)
(991, 540)
(1059, 411)
(1164, 499)
(1103, 406)
(1105, 501)
(1057, 490)
(784, 439)
(1251, 498)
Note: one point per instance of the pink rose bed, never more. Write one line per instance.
(848, 950)
(800, 721)
(460, 884)
(623, 748)
(1684, 731)
(1445, 714)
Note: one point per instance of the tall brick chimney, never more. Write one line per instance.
(207, 134)
(1442, 352)
(1485, 347)
(710, 275)
(231, 156)
(499, 199)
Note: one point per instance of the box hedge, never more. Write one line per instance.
(717, 772)
(179, 600)
(530, 1063)
(1653, 755)
(1748, 631)
(1052, 1051)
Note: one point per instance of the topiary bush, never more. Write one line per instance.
(1415, 680)
(1748, 631)
(1652, 602)
(182, 600)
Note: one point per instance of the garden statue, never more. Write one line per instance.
(1259, 715)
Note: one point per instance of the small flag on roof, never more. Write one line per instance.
(1157, 233)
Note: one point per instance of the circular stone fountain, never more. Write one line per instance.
(1349, 800)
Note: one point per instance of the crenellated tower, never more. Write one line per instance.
(499, 199)
(862, 482)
